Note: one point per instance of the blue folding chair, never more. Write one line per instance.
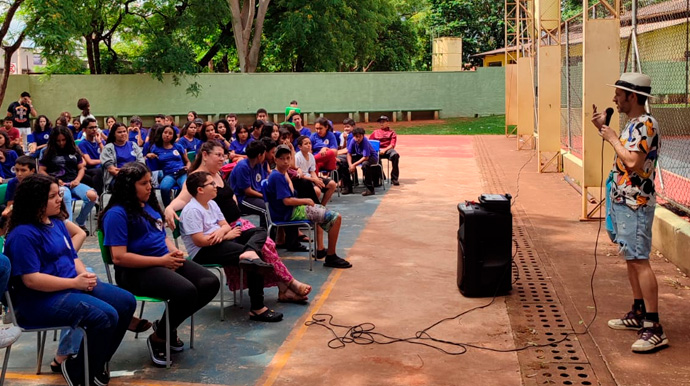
(278, 224)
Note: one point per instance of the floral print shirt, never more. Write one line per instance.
(635, 188)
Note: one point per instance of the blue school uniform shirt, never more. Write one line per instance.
(277, 189)
(350, 137)
(40, 248)
(244, 176)
(41, 138)
(92, 149)
(317, 143)
(364, 149)
(169, 160)
(8, 165)
(11, 188)
(188, 145)
(137, 234)
(305, 131)
(124, 153)
(240, 148)
(133, 135)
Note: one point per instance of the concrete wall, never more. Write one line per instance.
(456, 94)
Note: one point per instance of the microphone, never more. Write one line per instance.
(609, 114)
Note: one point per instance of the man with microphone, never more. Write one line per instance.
(632, 204)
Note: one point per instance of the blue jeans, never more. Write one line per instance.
(105, 313)
(167, 184)
(80, 192)
(633, 230)
(5, 270)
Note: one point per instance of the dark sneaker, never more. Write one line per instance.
(631, 321)
(321, 253)
(368, 193)
(176, 344)
(333, 261)
(102, 379)
(157, 352)
(651, 336)
(71, 371)
(396, 182)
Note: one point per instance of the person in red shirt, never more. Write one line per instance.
(15, 136)
(388, 138)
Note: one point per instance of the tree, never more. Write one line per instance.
(9, 47)
(247, 26)
(478, 22)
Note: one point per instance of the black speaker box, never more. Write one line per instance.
(485, 246)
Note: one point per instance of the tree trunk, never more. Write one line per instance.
(9, 50)
(242, 22)
(6, 73)
(89, 54)
(97, 55)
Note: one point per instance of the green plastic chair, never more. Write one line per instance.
(217, 267)
(108, 261)
(3, 194)
(191, 155)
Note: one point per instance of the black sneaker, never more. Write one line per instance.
(72, 373)
(157, 352)
(651, 336)
(631, 321)
(396, 182)
(321, 253)
(176, 344)
(334, 261)
(102, 379)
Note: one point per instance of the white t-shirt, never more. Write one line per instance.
(197, 219)
(306, 165)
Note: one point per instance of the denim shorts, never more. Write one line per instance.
(633, 230)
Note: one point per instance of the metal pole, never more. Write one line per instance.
(687, 47)
(567, 80)
(635, 68)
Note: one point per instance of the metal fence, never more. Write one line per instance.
(663, 31)
(663, 49)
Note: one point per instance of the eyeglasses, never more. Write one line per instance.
(212, 183)
(92, 127)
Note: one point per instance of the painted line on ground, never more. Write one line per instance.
(58, 379)
(281, 359)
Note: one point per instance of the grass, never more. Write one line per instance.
(494, 124)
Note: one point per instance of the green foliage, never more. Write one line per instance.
(494, 124)
(478, 22)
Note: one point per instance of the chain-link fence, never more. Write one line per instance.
(571, 86)
(663, 31)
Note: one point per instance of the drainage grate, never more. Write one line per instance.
(537, 317)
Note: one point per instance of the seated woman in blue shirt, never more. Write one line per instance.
(172, 161)
(8, 158)
(51, 286)
(117, 152)
(63, 160)
(238, 147)
(40, 135)
(188, 138)
(147, 263)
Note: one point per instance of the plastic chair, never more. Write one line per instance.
(278, 224)
(217, 267)
(3, 194)
(41, 341)
(191, 156)
(108, 261)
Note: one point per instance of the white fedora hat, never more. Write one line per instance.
(635, 82)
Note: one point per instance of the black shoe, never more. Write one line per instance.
(346, 191)
(176, 344)
(396, 182)
(320, 254)
(368, 193)
(102, 379)
(157, 352)
(266, 316)
(333, 261)
(55, 368)
(74, 376)
(255, 265)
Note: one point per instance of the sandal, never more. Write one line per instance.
(290, 297)
(57, 367)
(266, 316)
(303, 238)
(300, 289)
(142, 326)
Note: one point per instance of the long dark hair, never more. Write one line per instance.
(125, 195)
(111, 133)
(267, 130)
(52, 149)
(206, 147)
(31, 199)
(325, 123)
(159, 135)
(202, 134)
(37, 126)
(228, 129)
(185, 127)
(6, 145)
